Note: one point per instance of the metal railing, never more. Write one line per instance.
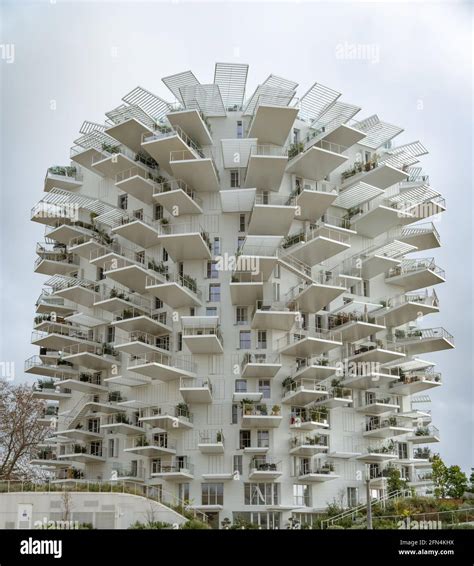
(160, 440)
(135, 171)
(134, 312)
(414, 265)
(423, 431)
(319, 441)
(377, 423)
(264, 464)
(297, 336)
(418, 377)
(175, 466)
(259, 358)
(268, 150)
(195, 383)
(61, 172)
(304, 385)
(185, 281)
(166, 132)
(163, 359)
(305, 468)
(272, 199)
(310, 234)
(90, 349)
(175, 185)
(211, 437)
(422, 334)
(167, 410)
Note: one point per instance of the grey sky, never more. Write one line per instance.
(74, 61)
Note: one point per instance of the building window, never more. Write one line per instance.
(241, 315)
(261, 494)
(241, 386)
(244, 439)
(100, 273)
(214, 292)
(212, 272)
(277, 271)
(264, 387)
(180, 341)
(240, 129)
(183, 491)
(366, 288)
(123, 202)
(235, 414)
(242, 223)
(276, 291)
(212, 494)
(238, 466)
(403, 450)
(158, 303)
(234, 179)
(301, 495)
(352, 497)
(296, 136)
(262, 340)
(165, 255)
(245, 342)
(157, 212)
(216, 248)
(110, 334)
(263, 439)
(211, 311)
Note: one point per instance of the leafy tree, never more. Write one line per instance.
(457, 482)
(394, 480)
(471, 483)
(440, 476)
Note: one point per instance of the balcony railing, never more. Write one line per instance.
(264, 464)
(163, 359)
(422, 334)
(377, 424)
(369, 345)
(421, 298)
(418, 377)
(144, 338)
(297, 336)
(312, 233)
(429, 430)
(211, 437)
(303, 384)
(165, 132)
(195, 383)
(148, 175)
(310, 415)
(68, 172)
(272, 199)
(135, 300)
(180, 411)
(59, 330)
(176, 466)
(120, 418)
(185, 281)
(106, 350)
(313, 186)
(260, 410)
(308, 440)
(306, 468)
(340, 319)
(259, 358)
(133, 312)
(159, 441)
(268, 150)
(422, 454)
(415, 265)
(200, 330)
(175, 185)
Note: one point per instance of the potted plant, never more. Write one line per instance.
(276, 410)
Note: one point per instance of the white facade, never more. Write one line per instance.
(317, 324)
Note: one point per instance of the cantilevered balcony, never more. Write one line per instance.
(178, 469)
(177, 197)
(312, 296)
(84, 382)
(272, 215)
(380, 351)
(50, 391)
(259, 255)
(185, 241)
(312, 198)
(414, 274)
(202, 335)
(168, 417)
(54, 260)
(88, 244)
(246, 287)
(176, 291)
(211, 442)
(315, 244)
(266, 167)
(56, 336)
(89, 151)
(128, 124)
(315, 160)
(49, 416)
(404, 308)
(195, 390)
(162, 367)
(158, 446)
(260, 364)
(112, 299)
(378, 454)
(259, 415)
(131, 269)
(423, 236)
(137, 182)
(380, 175)
(264, 468)
(313, 367)
(136, 227)
(377, 427)
(271, 123)
(102, 357)
(120, 423)
(424, 340)
(112, 159)
(139, 343)
(315, 471)
(194, 123)
(134, 319)
(411, 382)
(46, 458)
(335, 396)
(46, 303)
(309, 418)
(381, 257)
(302, 392)
(353, 321)
(377, 404)
(424, 435)
(84, 453)
(200, 173)
(62, 177)
(165, 140)
(80, 291)
(274, 315)
(378, 215)
(363, 375)
(306, 343)
(306, 444)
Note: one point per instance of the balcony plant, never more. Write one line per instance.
(276, 410)
(247, 406)
(182, 410)
(109, 148)
(142, 441)
(219, 436)
(295, 149)
(262, 409)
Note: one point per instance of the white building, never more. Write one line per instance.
(236, 300)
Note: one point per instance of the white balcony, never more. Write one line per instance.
(168, 417)
(91, 356)
(275, 316)
(424, 435)
(272, 215)
(177, 197)
(54, 262)
(411, 382)
(368, 378)
(200, 173)
(308, 445)
(84, 454)
(260, 416)
(46, 304)
(132, 275)
(271, 124)
(313, 198)
(137, 182)
(75, 290)
(342, 134)
(406, 308)
(377, 405)
(211, 442)
(377, 455)
(314, 367)
(66, 178)
(85, 156)
(381, 175)
(36, 366)
(311, 418)
(139, 343)
(315, 245)
(111, 161)
(303, 392)
(137, 228)
(165, 140)
(266, 167)
(379, 351)
(191, 122)
(423, 236)
(185, 241)
(424, 340)
(80, 434)
(246, 288)
(84, 383)
(264, 469)
(353, 321)
(49, 391)
(176, 291)
(315, 472)
(87, 246)
(307, 343)
(386, 427)
(162, 367)
(195, 390)
(120, 423)
(415, 274)
(174, 471)
(259, 255)
(336, 396)
(201, 334)
(254, 396)
(113, 300)
(260, 364)
(372, 218)
(57, 336)
(128, 129)
(312, 297)
(134, 320)
(317, 161)
(155, 448)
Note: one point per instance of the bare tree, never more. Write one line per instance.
(66, 500)
(20, 431)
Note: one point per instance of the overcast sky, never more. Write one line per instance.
(73, 61)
